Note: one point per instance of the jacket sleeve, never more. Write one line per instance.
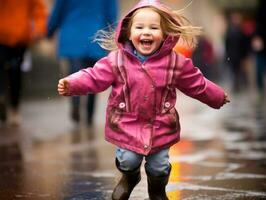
(91, 80)
(55, 17)
(112, 12)
(191, 82)
(39, 14)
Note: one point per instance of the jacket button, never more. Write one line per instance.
(145, 98)
(146, 146)
(167, 104)
(122, 105)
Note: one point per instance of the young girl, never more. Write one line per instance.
(144, 73)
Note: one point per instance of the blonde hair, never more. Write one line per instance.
(173, 23)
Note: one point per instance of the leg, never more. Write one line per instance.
(75, 112)
(14, 76)
(3, 83)
(15, 83)
(3, 112)
(91, 97)
(158, 170)
(11, 59)
(261, 65)
(90, 108)
(74, 66)
(128, 163)
(236, 75)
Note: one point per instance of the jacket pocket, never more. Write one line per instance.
(173, 119)
(115, 115)
(169, 121)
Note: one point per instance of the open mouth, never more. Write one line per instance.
(146, 42)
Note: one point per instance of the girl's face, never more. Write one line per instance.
(146, 32)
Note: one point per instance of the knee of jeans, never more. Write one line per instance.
(128, 162)
(157, 170)
(128, 165)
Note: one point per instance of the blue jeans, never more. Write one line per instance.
(157, 164)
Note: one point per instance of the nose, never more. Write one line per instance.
(146, 31)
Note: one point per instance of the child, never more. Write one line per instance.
(144, 72)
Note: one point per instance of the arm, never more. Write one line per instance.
(112, 11)
(90, 80)
(39, 15)
(191, 81)
(55, 18)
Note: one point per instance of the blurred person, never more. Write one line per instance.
(23, 22)
(203, 56)
(236, 49)
(77, 22)
(259, 46)
(144, 72)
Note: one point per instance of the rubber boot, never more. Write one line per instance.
(156, 186)
(126, 184)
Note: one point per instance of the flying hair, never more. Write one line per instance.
(173, 23)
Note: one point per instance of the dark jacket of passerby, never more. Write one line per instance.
(77, 24)
(204, 58)
(236, 45)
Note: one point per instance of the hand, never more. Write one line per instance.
(63, 87)
(226, 98)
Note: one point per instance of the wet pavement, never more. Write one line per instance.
(222, 153)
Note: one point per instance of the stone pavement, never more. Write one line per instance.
(222, 154)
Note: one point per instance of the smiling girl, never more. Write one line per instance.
(144, 72)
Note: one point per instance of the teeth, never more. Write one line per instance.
(146, 41)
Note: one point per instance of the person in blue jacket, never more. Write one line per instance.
(76, 23)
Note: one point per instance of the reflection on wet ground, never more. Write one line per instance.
(222, 154)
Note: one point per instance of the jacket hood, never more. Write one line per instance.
(169, 42)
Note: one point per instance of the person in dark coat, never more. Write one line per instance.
(236, 48)
(259, 45)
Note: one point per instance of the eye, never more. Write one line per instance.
(138, 27)
(154, 28)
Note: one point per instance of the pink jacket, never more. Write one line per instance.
(141, 114)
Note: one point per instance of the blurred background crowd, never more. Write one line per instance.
(43, 40)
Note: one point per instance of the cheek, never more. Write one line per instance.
(134, 37)
(159, 35)
(133, 34)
